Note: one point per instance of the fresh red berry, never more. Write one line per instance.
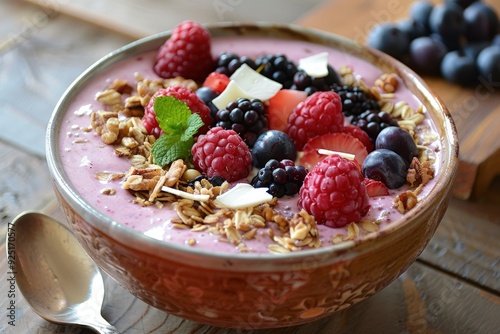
(338, 142)
(281, 106)
(187, 53)
(363, 137)
(334, 192)
(181, 93)
(375, 188)
(216, 81)
(222, 153)
(320, 113)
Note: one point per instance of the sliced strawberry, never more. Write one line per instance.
(339, 142)
(281, 106)
(375, 188)
(357, 132)
(216, 81)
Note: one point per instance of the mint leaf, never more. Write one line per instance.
(172, 114)
(194, 122)
(179, 126)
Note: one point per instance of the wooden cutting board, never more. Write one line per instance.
(475, 110)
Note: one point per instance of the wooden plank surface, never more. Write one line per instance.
(475, 110)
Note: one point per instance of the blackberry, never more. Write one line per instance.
(282, 178)
(354, 100)
(373, 121)
(302, 81)
(228, 63)
(246, 117)
(276, 67)
(215, 181)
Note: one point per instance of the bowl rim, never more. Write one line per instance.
(345, 250)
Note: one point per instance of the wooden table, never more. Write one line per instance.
(453, 287)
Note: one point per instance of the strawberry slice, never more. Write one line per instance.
(339, 142)
(216, 81)
(375, 188)
(281, 106)
(357, 132)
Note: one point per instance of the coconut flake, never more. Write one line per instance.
(184, 194)
(243, 195)
(316, 65)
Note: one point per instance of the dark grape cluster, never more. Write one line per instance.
(282, 178)
(354, 100)
(457, 39)
(373, 121)
(276, 67)
(228, 63)
(246, 117)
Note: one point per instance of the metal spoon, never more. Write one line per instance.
(57, 278)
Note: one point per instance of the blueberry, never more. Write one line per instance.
(273, 144)
(451, 43)
(447, 20)
(420, 12)
(412, 28)
(459, 68)
(427, 53)
(488, 63)
(385, 166)
(399, 141)
(462, 3)
(478, 24)
(388, 38)
(474, 49)
(489, 14)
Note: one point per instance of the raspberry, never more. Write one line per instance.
(181, 93)
(318, 114)
(334, 192)
(187, 53)
(222, 153)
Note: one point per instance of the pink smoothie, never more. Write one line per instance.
(81, 161)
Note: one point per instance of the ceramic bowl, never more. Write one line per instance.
(250, 291)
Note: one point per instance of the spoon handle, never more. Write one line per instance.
(100, 325)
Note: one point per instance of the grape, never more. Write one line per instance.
(477, 22)
(412, 28)
(488, 63)
(385, 166)
(427, 53)
(447, 20)
(488, 13)
(420, 12)
(399, 141)
(388, 38)
(459, 68)
(273, 144)
(462, 3)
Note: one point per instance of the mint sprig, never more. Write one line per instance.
(179, 126)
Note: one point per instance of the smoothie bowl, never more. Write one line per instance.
(227, 248)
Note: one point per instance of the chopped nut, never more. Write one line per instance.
(109, 97)
(419, 173)
(388, 82)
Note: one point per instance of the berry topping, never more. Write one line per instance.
(319, 114)
(373, 121)
(222, 153)
(181, 93)
(362, 136)
(246, 117)
(303, 81)
(385, 166)
(338, 142)
(187, 53)
(334, 192)
(282, 178)
(375, 188)
(398, 141)
(354, 100)
(216, 82)
(280, 107)
(228, 63)
(273, 144)
(276, 67)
